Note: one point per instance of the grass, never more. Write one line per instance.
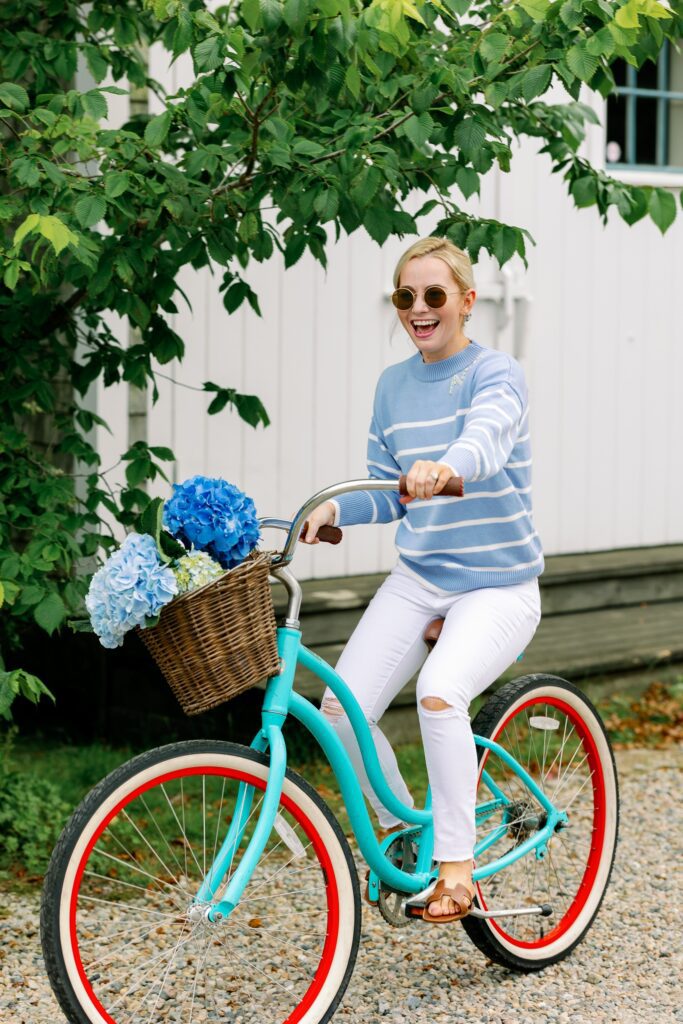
(653, 719)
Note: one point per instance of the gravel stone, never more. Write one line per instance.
(626, 971)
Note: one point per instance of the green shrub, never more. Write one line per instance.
(32, 814)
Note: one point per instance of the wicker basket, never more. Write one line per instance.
(220, 639)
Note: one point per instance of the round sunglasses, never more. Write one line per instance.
(435, 296)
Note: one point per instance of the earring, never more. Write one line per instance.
(467, 316)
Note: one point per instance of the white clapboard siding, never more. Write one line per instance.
(598, 335)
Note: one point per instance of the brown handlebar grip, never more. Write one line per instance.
(328, 534)
(455, 486)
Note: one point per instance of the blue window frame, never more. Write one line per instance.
(645, 114)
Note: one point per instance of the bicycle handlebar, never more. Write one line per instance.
(332, 534)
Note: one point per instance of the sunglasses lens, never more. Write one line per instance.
(435, 297)
(403, 298)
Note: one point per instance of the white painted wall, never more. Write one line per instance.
(599, 335)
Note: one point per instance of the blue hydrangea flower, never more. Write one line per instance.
(215, 516)
(132, 585)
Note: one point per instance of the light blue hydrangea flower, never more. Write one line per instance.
(196, 569)
(131, 586)
(215, 516)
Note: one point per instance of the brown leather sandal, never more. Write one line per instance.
(461, 896)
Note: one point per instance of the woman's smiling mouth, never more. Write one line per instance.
(424, 328)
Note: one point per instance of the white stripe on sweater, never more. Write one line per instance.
(469, 522)
(480, 547)
(387, 469)
(409, 425)
(493, 568)
(428, 448)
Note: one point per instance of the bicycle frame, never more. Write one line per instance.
(281, 700)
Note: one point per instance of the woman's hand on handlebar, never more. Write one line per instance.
(323, 515)
(420, 482)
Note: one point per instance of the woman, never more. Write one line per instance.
(454, 408)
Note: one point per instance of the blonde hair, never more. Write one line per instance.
(457, 260)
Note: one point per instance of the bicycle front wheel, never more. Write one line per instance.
(557, 736)
(119, 941)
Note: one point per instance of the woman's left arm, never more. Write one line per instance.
(492, 423)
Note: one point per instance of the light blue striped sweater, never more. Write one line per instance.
(471, 412)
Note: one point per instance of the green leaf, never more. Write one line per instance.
(418, 129)
(627, 16)
(208, 55)
(581, 62)
(536, 9)
(150, 521)
(584, 191)
(251, 12)
(504, 244)
(306, 147)
(90, 209)
(252, 410)
(163, 453)
(116, 183)
(467, 181)
(469, 135)
(536, 81)
(638, 206)
(493, 45)
(295, 12)
(352, 80)
(11, 274)
(94, 104)
(662, 208)
(271, 13)
(169, 547)
(326, 204)
(158, 128)
(14, 96)
(137, 471)
(496, 93)
(294, 248)
(57, 233)
(377, 223)
(365, 188)
(50, 613)
(96, 62)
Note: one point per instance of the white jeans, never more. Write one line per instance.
(484, 631)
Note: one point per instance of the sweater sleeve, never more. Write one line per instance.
(492, 424)
(357, 507)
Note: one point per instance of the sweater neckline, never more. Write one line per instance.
(444, 368)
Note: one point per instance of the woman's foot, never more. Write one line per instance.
(451, 873)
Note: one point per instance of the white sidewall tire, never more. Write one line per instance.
(574, 933)
(348, 923)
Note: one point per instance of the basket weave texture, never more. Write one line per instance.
(218, 640)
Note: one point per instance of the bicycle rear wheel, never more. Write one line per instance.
(556, 734)
(119, 942)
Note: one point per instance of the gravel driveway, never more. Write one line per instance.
(628, 969)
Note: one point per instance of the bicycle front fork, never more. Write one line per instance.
(269, 737)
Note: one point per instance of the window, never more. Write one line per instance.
(645, 114)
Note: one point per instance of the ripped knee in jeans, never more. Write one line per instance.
(435, 704)
(332, 709)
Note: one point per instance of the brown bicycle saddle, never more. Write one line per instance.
(431, 633)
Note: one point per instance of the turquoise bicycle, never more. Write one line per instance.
(207, 881)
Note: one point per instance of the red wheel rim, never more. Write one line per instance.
(585, 886)
(332, 930)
